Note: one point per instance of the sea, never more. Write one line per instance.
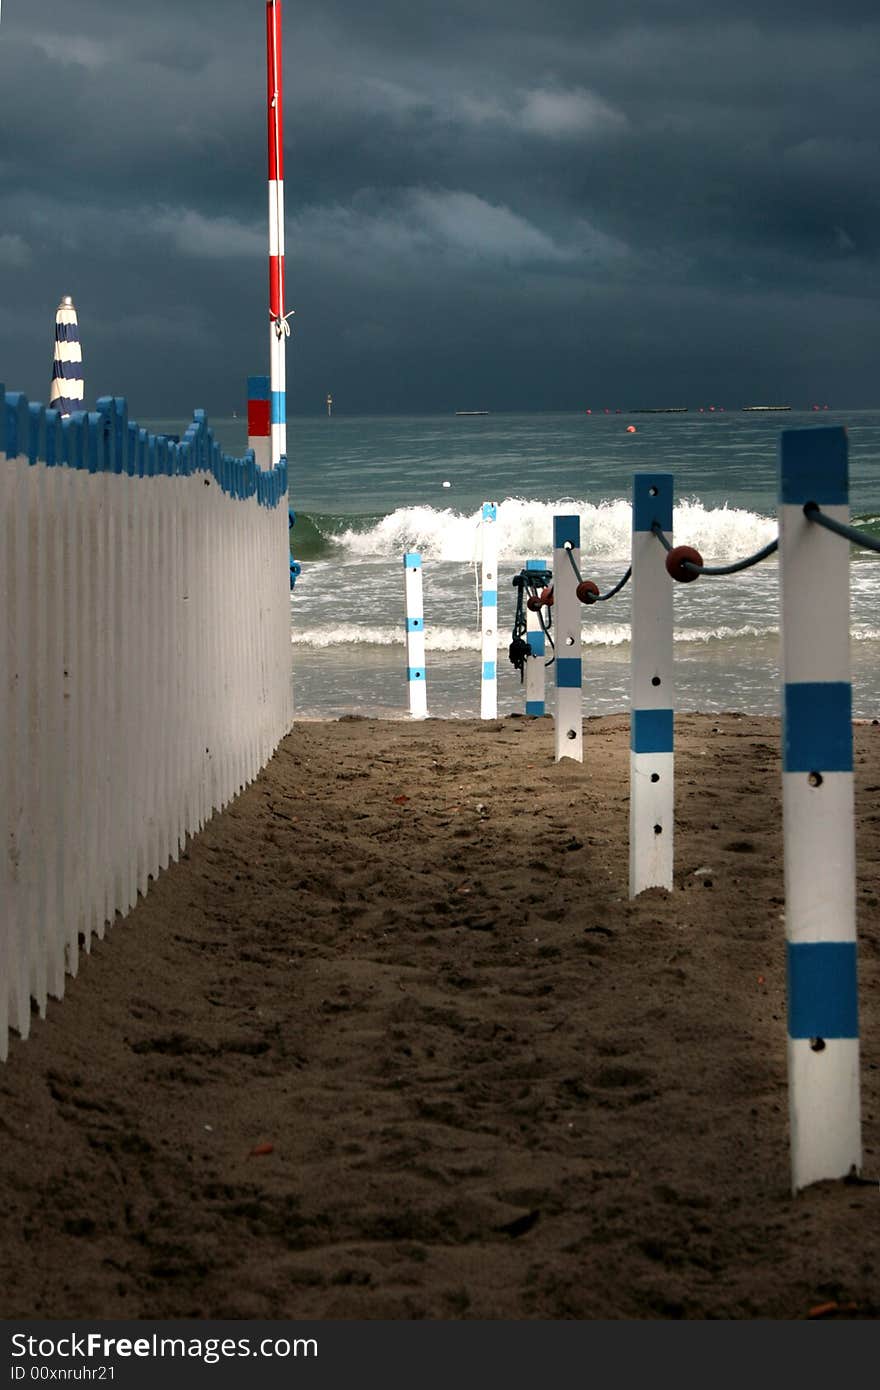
(367, 489)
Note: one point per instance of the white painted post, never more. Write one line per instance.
(535, 663)
(818, 811)
(415, 635)
(651, 798)
(569, 720)
(489, 612)
(7, 730)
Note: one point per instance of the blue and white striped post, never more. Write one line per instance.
(818, 811)
(535, 663)
(66, 392)
(489, 611)
(651, 782)
(569, 721)
(415, 636)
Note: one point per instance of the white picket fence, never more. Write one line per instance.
(145, 654)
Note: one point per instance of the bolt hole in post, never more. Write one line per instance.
(814, 779)
(655, 776)
(658, 829)
(817, 1044)
(652, 492)
(571, 733)
(569, 641)
(655, 680)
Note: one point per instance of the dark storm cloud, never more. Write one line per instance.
(489, 202)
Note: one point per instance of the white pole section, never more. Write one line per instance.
(569, 722)
(535, 663)
(489, 612)
(818, 810)
(651, 685)
(279, 328)
(415, 636)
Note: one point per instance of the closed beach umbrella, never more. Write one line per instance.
(67, 391)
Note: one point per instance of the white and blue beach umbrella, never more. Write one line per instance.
(67, 391)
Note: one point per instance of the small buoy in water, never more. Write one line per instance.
(447, 483)
(630, 429)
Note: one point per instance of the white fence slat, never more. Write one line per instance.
(145, 651)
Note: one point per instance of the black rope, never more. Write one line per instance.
(597, 598)
(520, 650)
(738, 565)
(600, 598)
(813, 512)
(545, 627)
(745, 564)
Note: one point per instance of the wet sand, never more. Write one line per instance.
(392, 1042)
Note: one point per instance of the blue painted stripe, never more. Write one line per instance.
(817, 727)
(415, 624)
(415, 673)
(569, 672)
(823, 990)
(534, 706)
(490, 511)
(279, 407)
(566, 528)
(67, 371)
(652, 500)
(651, 731)
(258, 388)
(536, 564)
(107, 441)
(412, 560)
(67, 332)
(538, 643)
(490, 598)
(813, 465)
(489, 670)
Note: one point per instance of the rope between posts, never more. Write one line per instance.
(595, 597)
(609, 593)
(813, 512)
(696, 568)
(569, 550)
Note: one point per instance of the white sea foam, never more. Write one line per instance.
(452, 639)
(525, 531)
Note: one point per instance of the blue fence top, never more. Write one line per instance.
(106, 441)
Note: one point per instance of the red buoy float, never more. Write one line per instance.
(587, 591)
(546, 597)
(675, 565)
(533, 603)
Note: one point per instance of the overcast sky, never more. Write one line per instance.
(496, 204)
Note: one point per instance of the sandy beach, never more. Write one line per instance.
(391, 1042)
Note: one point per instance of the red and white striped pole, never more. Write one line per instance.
(279, 328)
